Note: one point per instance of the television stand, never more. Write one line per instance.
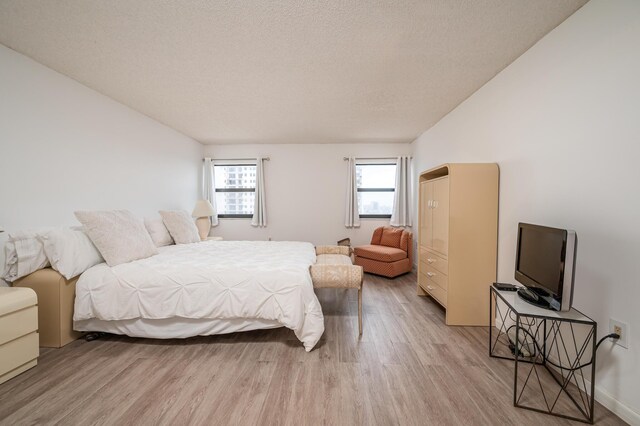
(535, 296)
(554, 355)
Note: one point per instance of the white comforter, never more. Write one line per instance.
(210, 279)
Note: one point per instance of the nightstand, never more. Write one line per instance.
(18, 331)
(215, 238)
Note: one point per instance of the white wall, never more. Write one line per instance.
(305, 191)
(65, 147)
(563, 122)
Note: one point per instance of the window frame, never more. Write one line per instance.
(234, 216)
(378, 163)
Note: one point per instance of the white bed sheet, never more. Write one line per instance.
(224, 280)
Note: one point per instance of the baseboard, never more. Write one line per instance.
(608, 401)
(602, 396)
(611, 403)
(616, 407)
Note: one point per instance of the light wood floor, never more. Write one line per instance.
(408, 368)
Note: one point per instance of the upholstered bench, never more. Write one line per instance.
(334, 269)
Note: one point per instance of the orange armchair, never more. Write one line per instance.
(390, 253)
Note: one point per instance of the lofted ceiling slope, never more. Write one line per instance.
(282, 71)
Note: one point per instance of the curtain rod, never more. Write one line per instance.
(374, 158)
(238, 159)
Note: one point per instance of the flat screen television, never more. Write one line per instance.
(545, 264)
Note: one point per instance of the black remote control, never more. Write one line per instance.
(505, 287)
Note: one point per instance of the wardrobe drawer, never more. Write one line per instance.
(434, 290)
(436, 276)
(437, 293)
(436, 261)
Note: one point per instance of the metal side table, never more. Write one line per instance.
(554, 355)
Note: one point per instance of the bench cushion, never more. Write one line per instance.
(336, 276)
(380, 253)
(334, 269)
(333, 259)
(344, 250)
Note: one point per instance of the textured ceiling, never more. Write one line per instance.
(282, 71)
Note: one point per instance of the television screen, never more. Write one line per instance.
(545, 264)
(541, 256)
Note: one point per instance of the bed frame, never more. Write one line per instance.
(56, 296)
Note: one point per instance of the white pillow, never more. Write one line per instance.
(180, 226)
(159, 233)
(70, 251)
(24, 254)
(10, 270)
(118, 235)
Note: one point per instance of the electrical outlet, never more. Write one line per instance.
(622, 329)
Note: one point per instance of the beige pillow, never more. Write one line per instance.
(180, 226)
(159, 233)
(118, 235)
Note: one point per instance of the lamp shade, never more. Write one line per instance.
(203, 208)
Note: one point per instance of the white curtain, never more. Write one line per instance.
(260, 205)
(401, 215)
(209, 188)
(352, 216)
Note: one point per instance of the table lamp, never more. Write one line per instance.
(203, 212)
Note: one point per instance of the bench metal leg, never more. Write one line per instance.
(360, 310)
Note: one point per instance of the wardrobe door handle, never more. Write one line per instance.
(430, 260)
(430, 274)
(429, 288)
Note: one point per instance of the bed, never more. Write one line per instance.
(204, 288)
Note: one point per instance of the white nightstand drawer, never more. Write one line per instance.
(17, 352)
(18, 323)
(13, 299)
(19, 339)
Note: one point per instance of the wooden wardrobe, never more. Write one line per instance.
(458, 239)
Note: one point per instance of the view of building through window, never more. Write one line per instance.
(236, 184)
(376, 186)
(235, 189)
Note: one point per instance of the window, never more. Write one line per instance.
(376, 186)
(235, 189)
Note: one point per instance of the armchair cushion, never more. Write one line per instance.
(377, 236)
(406, 242)
(391, 237)
(380, 253)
